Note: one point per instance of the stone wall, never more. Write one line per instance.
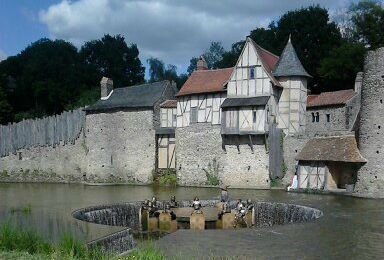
(121, 146)
(62, 163)
(292, 145)
(199, 153)
(370, 179)
(337, 122)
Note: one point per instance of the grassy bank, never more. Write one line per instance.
(17, 243)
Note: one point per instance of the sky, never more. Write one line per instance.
(172, 30)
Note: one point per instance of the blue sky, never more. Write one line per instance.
(19, 24)
(172, 30)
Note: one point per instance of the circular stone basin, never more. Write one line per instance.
(129, 215)
(265, 213)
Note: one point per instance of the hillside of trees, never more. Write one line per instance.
(50, 76)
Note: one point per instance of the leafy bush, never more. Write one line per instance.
(168, 178)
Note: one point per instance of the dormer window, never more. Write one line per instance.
(252, 73)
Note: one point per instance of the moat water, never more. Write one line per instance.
(350, 227)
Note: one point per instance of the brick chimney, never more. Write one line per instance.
(201, 64)
(106, 87)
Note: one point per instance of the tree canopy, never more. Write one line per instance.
(49, 76)
(52, 75)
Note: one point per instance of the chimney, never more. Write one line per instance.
(202, 64)
(106, 87)
(358, 82)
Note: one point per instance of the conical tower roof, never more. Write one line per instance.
(289, 64)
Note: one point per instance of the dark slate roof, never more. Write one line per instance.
(289, 64)
(165, 130)
(139, 96)
(336, 149)
(326, 99)
(244, 102)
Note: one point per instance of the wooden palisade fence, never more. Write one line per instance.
(48, 131)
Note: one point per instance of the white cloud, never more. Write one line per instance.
(172, 30)
(3, 55)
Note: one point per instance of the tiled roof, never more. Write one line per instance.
(334, 98)
(139, 96)
(336, 149)
(289, 64)
(206, 81)
(171, 103)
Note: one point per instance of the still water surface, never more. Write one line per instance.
(350, 227)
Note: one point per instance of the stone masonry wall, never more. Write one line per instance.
(199, 152)
(292, 145)
(121, 146)
(337, 120)
(64, 163)
(370, 179)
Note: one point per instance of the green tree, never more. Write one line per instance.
(338, 70)
(158, 71)
(43, 78)
(213, 56)
(230, 57)
(112, 57)
(5, 107)
(368, 23)
(313, 35)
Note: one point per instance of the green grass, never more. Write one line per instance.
(27, 209)
(147, 252)
(17, 243)
(276, 183)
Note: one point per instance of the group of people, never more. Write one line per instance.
(242, 208)
(154, 207)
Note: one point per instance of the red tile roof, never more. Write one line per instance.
(268, 58)
(334, 98)
(170, 103)
(269, 61)
(205, 81)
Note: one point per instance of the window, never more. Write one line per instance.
(254, 116)
(328, 118)
(252, 72)
(174, 119)
(317, 117)
(313, 117)
(231, 118)
(193, 117)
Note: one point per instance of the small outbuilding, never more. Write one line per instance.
(329, 163)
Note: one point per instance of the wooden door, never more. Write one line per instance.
(166, 152)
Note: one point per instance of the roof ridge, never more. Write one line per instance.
(263, 49)
(214, 69)
(349, 89)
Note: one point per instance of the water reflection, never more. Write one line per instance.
(350, 227)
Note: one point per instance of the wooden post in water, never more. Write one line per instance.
(197, 221)
(228, 220)
(165, 221)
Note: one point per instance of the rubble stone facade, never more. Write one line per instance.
(370, 180)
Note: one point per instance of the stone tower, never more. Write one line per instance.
(370, 179)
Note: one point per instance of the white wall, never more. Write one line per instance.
(168, 117)
(208, 108)
(240, 84)
(292, 105)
